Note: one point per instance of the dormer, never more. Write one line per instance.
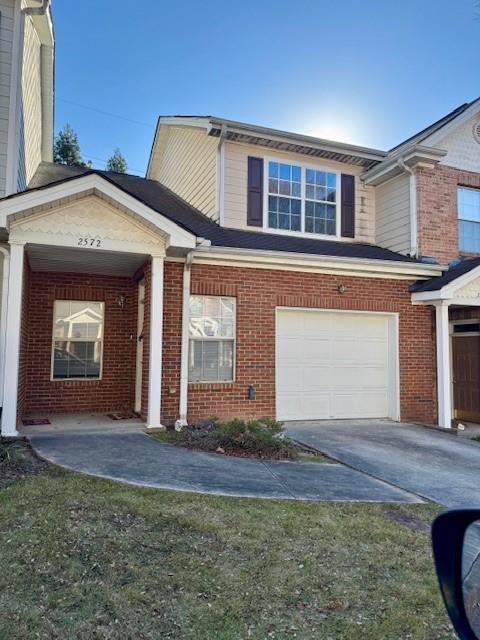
(255, 178)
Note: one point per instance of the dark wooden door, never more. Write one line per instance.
(466, 377)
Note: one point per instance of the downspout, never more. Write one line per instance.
(183, 405)
(220, 172)
(413, 207)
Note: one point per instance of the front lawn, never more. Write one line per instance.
(86, 558)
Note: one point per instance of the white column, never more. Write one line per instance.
(155, 361)
(5, 255)
(444, 387)
(12, 337)
(183, 405)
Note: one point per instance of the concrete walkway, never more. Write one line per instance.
(133, 457)
(439, 466)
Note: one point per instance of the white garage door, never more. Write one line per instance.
(334, 365)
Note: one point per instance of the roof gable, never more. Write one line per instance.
(462, 144)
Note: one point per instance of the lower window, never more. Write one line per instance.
(77, 344)
(212, 339)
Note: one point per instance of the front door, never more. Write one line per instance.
(139, 366)
(466, 371)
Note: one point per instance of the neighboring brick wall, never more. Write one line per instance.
(115, 391)
(258, 293)
(437, 216)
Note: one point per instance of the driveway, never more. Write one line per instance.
(439, 466)
(139, 459)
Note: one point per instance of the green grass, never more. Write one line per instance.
(86, 558)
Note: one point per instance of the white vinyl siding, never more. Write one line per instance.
(335, 365)
(31, 123)
(185, 161)
(236, 180)
(392, 202)
(6, 43)
(463, 151)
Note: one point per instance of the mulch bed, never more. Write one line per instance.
(17, 461)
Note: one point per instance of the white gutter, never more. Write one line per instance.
(183, 405)
(413, 206)
(306, 262)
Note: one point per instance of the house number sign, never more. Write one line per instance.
(87, 241)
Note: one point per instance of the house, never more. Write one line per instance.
(252, 272)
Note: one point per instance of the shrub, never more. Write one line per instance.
(262, 438)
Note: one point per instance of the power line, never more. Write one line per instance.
(106, 113)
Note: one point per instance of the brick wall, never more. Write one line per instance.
(258, 292)
(437, 217)
(115, 391)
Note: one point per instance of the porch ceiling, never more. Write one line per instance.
(71, 260)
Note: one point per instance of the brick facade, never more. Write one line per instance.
(38, 395)
(437, 216)
(258, 292)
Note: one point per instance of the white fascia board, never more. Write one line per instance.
(440, 134)
(187, 121)
(27, 200)
(305, 262)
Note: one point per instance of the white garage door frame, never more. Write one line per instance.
(393, 352)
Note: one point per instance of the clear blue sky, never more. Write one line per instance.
(369, 72)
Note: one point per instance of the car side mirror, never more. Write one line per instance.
(456, 548)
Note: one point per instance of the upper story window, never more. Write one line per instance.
(302, 199)
(468, 219)
(284, 196)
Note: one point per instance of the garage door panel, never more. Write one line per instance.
(357, 377)
(291, 349)
(332, 365)
(359, 352)
(290, 406)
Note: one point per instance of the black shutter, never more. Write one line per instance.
(348, 206)
(255, 192)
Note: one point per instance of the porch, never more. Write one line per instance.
(455, 297)
(82, 304)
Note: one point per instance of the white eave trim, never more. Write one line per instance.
(285, 260)
(14, 207)
(231, 126)
(418, 156)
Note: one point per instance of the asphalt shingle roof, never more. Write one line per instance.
(434, 284)
(160, 199)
